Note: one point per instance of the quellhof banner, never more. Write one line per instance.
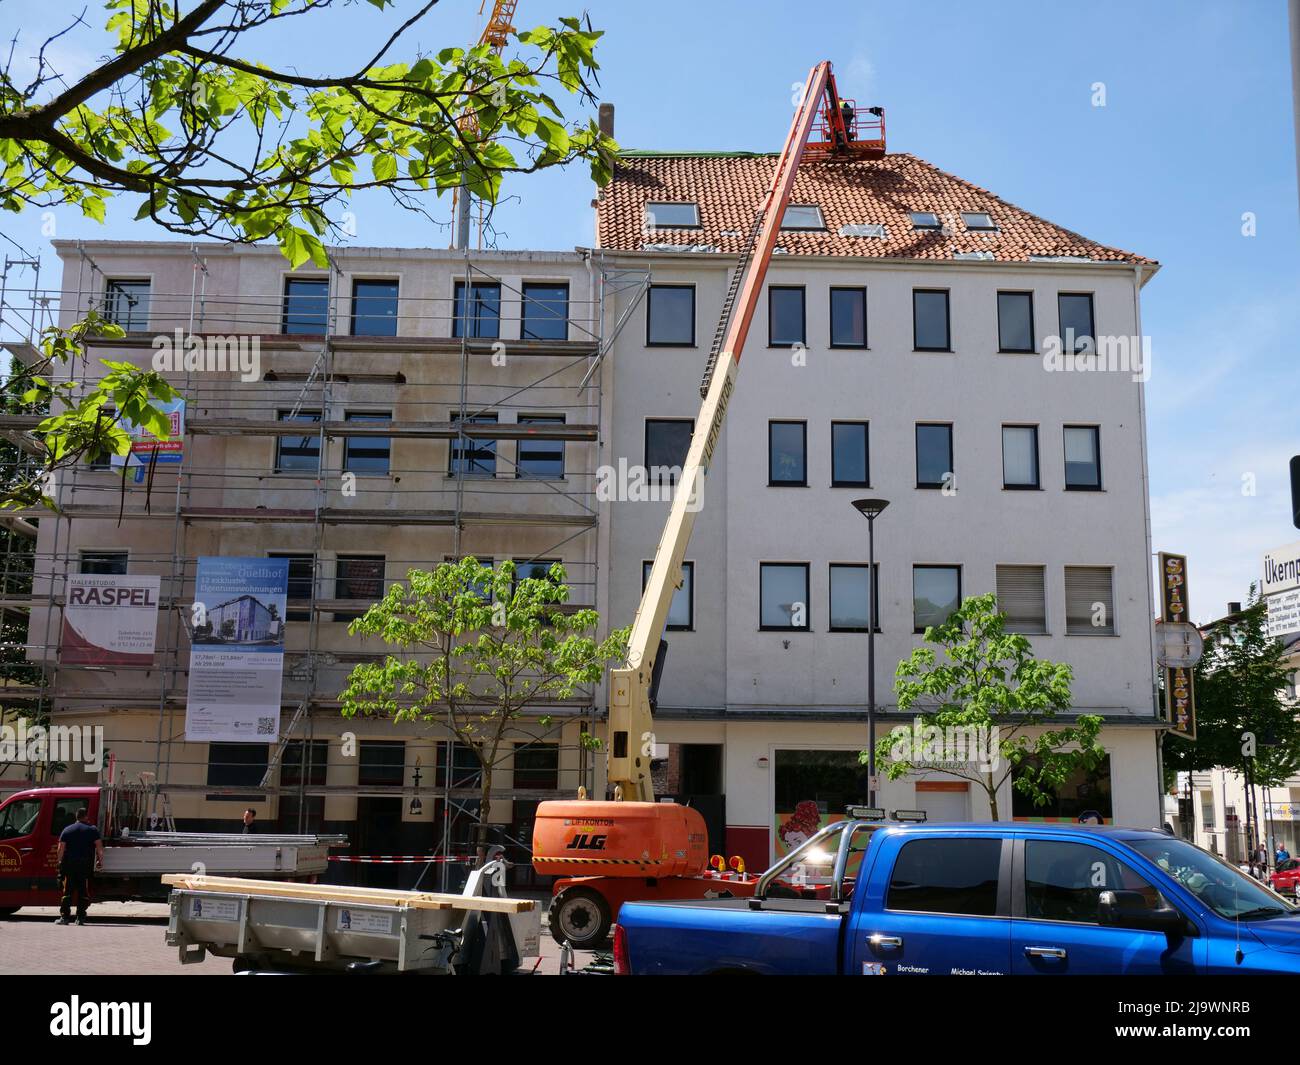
(110, 619)
(237, 650)
(1180, 695)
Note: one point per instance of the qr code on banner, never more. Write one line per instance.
(266, 726)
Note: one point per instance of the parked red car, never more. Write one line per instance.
(1287, 877)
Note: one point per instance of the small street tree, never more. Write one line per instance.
(992, 699)
(476, 646)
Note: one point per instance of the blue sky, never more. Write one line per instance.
(1196, 131)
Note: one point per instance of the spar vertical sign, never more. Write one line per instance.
(237, 650)
(1180, 695)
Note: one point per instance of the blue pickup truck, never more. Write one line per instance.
(881, 897)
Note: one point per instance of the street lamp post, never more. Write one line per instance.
(871, 510)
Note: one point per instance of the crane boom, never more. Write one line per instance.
(631, 724)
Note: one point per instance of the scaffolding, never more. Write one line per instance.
(484, 365)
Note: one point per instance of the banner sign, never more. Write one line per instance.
(110, 619)
(1281, 589)
(237, 650)
(1180, 696)
(1283, 613)
(144, 445)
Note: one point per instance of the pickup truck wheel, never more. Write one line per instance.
(579, 916)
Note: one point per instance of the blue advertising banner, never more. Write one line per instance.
(237, 650)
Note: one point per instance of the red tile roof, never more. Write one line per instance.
(729, 187)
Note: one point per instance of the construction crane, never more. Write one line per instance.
(500, 25)
(633, 838)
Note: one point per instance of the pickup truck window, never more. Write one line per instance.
(19, 818)
(1227, 891)
(1064, 880)
(946, 875)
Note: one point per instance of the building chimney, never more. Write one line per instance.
(606, 120)
(1234, 608)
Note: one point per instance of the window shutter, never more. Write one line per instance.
(1085, 586)
(1021, 598)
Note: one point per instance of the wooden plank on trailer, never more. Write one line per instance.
(420, 900)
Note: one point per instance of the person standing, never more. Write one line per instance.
(80, 853)
(250, 819)
(1282, 853)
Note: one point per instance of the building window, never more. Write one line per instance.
(539, 457)
(381, 762)
(1022, 598)
(306, 306)
(978, 221)
(1019, 456)
(783, 595)
(358, 577)
(297, 453)
(802, 216)
(482, 318)
(672, 216)
(851, 596)
(472, 456)
(1016, 322)
(850, 467)
(946, 875)
(848, 317)
(936, 593)
(302, 580)
(924, 220)
(537, 766)
(374, 308)
(545, 310)
(108, 563)
(787, 453)
(930, 320)
(236, 765)
(933, 456)
(785, 315)
(667, 441)
(367, 454)
(303, 764)
(1089, 601)
(528, 568)
(681, 613)
(1075, 311)
(1082, 457)
(126, 303)
(1083, 791)
(670, 316)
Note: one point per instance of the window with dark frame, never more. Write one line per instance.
(302, 578)
(303, 763)
(787, 453)
(850, 455)
(670, 316)
(667, 440)
(537, 766)
(851, 593)
(681, 612)
(786, 320)
(930, 325)
(236, 765)
(474, 456)
(481, 319)
(367, 454)
(662, 215)
(1016, 322)
(1020, 456)
(1075, 313)
(126, 303)
(306, 306)
(783, 596)
(374, 308)
(1089, 601)
(848, 317)
(936, 593)
(1022, 598)
(978, 221)
(298, 454)
(1082, 457)
(358, 577)
(934, 458)
(539, 457)
(545, 310)
(923, 221)
(381, 763)
(107, 563)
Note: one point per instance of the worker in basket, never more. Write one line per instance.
(849, 116)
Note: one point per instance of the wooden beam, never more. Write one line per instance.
(416, 900)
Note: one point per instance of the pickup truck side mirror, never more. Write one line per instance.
(1129, 909)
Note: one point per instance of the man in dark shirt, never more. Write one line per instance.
(250, 816)
(81, 851)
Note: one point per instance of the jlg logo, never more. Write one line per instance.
(586, 842)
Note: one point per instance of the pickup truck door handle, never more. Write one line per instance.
(880, 942)
(26, 850)
(1045, 952)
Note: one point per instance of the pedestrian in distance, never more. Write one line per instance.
(80, 853)
(250, 819)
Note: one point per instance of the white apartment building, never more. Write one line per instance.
(898, 353)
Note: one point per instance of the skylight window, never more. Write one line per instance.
(922, 220)
(672, 216)
(978, 220)
(803, 216)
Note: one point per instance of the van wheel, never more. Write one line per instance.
(8, 911)
(581, 917)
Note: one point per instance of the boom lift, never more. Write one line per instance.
(638, 848)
